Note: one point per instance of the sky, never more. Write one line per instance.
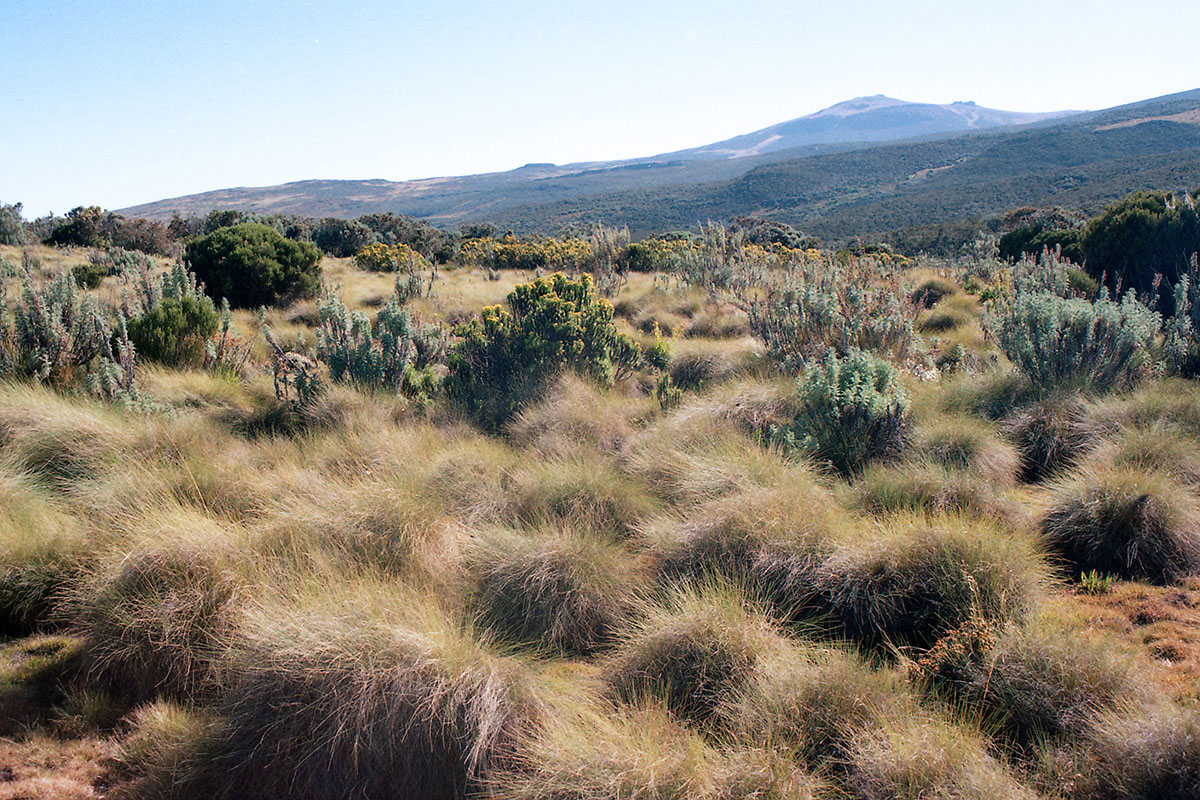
(120, 102)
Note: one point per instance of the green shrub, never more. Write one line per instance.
(12, 225)
(89, 275)
(1182, 347)
(1067, 343)
(58, 332)
(853, 410)
(819, 307)
(506, 358)
(341, 238)
(1136, 524)
(175, 331)
(391, 356)
(1141, 236)
(253, 265)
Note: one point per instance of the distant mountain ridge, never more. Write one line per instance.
(977, 161)
(877, 118)
(445, 200)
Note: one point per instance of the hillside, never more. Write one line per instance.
(1083, 161)
(849, 125)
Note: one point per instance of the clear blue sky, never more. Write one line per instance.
(117, 102)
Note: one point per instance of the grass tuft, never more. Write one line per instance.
(1129, 522)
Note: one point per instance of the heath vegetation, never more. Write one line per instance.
(363, 508)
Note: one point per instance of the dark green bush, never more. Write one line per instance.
(853, 410)
(341, 238)
(175, 331)
(506, 357)
(1145, 234)
(12, 225)
(253, 265)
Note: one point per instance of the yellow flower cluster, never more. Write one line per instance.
(510, 252)
(381, 257)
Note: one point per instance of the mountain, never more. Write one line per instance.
(1081, 161)
(449, 200)
(824, 173)
(866, 119)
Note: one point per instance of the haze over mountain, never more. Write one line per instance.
(863, 166)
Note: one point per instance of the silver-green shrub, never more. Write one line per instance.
(1181, 351)
(1070, 343)
(387, 355)
(816, 306)
(853, 411)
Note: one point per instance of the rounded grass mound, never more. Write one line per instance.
(692, 653)
(919, 578)
(156, 620)
(1043, 680)
(561, 591)
(1125, 521)
(367, 689)
(1151, 756)
(930, 488)
(771, 540)
(42, 549)
(582, 490)
(1050, 437)
(967, 443)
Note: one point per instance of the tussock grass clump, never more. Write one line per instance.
(993, 395)
(929, 292)
(1171, 401)
(1161, 447)
(42, 548)
(814, 702)
(156, 618)
(967, 443)
(373, 523)
(1125, 521)
(772, 540)
(930, 488)
(704, 459)
(364, 688)
(698, 362)
(1154, 756)
(61, 440)
(582, 490)
(154, 757)
(471, 478)
(1050, 437)
(32, 673)
(752, 407)
(911, 758)
(576, 411)
(693, 652)
(946, 316)
(1043, 680)
(557, 589)
(586, 751)
(916, 579)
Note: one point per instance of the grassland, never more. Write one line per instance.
(613, 598)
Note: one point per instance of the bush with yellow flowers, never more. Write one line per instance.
(379, 257)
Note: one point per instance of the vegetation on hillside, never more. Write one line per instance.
(717, 516)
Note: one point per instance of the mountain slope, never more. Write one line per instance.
(867, 119)
(1082, 161)
(853, 124)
